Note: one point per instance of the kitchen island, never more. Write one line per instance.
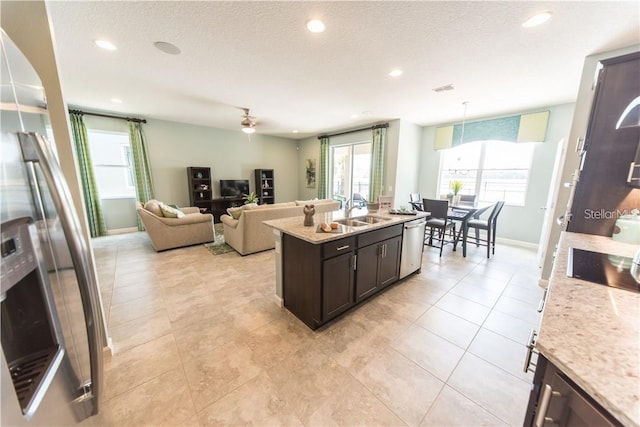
(590, 335)
(320, 275)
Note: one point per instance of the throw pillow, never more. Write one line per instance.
(235, 212)
(153, 206)
(170, 212)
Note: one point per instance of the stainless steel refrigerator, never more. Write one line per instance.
(51, 321)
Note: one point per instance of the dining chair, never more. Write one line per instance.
(489, 225)
(468, 199)
(438, 220)
(415, 201)
(386, 202)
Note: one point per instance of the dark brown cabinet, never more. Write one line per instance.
(337, 285)
(318, 279)
(200, 192)
(322, 281)
(265, 186)
(609, 148)
(557, 401)
(380, 261)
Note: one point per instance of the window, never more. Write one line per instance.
(350, 170)
(493, 170)
(112, 164)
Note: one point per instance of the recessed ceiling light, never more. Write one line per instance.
(315, 26)
(395, 73)
(536, 20)
(116, 100)
(107, 45)
(294, 131)
(354, 116)
(166, 47)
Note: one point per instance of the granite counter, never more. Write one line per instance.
(592, 332)
(294, 225)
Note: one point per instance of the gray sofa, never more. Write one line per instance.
(248, 234)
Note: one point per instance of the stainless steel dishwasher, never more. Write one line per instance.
(412, 245)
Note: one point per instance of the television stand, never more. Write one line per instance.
(220, 205)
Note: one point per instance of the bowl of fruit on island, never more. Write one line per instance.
(328, 227)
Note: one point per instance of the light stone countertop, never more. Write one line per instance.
(294, 225)
(592, 332)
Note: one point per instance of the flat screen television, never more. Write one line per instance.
(234, 187)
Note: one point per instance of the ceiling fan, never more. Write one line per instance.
(248, 122)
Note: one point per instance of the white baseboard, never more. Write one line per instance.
(278, 301)
(512, 242)
(122, 231)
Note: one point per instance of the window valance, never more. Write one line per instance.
(521, 128)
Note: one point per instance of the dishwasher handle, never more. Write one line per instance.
(408, 226)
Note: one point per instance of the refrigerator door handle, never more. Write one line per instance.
(79, 254)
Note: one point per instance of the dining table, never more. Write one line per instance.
(462, 213)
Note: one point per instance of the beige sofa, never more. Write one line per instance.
(248, 234)
(168, 233)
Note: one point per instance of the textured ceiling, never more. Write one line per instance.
(259, 55)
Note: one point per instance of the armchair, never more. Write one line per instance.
(168, 233)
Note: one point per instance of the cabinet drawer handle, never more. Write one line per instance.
(542, 301)
(632, 168)
(547, 394)
(342, 248)
(530, 350)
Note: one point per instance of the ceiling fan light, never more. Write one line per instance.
(248, 129)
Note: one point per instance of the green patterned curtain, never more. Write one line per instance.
(378, 143)
(93, 208)
(323, 170)
(141, 167)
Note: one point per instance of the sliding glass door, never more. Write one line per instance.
(350, 172)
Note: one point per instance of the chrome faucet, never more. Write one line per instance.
(348, 207)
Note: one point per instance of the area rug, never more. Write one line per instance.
(218, 247)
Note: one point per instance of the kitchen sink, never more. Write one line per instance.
(351, 222)
(360, 221)
(370, 219)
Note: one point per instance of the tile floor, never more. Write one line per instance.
(199, 340)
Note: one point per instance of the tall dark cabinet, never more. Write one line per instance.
(265, 186)
(603, 191)
(200, 192)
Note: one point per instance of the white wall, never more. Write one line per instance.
(522, 223)
(407, 163)
(230, 155)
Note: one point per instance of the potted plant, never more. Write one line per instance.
(456, 186)
(250, 198)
